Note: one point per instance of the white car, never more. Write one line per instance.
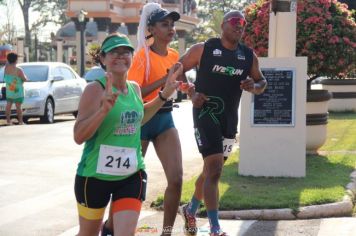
(52, 88)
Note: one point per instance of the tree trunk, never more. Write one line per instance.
(25, 6)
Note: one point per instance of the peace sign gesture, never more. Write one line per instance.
(108, 98)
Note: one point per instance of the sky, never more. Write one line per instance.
(15, 14)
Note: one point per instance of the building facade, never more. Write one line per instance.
(118, 15)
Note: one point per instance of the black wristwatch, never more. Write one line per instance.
(161, 96)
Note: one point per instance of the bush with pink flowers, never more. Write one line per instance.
(325, 34)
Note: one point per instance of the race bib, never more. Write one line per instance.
(228, 144)
(117, 161)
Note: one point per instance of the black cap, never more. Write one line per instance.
(161, 14)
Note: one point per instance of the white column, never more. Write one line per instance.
(59, 50)
(38, 54)
(27, 54)
(181, 45)
(282, 34)
(78, 51)
(70, 54)
(48, 56)
(20, 50)
(181, 41)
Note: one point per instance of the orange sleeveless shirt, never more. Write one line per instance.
(158, 69)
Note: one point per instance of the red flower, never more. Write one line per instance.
(325, 34)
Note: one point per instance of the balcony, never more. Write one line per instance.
(128, 11)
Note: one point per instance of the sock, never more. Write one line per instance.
(193, 206)
(214, 221)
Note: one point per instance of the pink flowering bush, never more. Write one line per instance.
(326, 34)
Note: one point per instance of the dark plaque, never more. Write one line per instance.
(275, 107)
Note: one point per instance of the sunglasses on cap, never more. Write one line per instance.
(236, 21)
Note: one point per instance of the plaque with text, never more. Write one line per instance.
(275, 107)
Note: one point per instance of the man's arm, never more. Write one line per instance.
(192, 57)
(190, 60)
(257, 83)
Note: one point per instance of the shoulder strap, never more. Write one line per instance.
(101, 82)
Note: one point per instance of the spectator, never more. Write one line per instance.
(14, 79)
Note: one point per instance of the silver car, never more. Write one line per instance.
(52, 88)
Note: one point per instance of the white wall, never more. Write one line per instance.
(271, 150)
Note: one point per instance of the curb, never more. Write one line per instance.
(337, 209)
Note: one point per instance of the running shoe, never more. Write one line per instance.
(190, 226)
(106, 231)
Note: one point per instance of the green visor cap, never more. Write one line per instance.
(116, 41)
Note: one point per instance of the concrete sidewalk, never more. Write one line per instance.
(315, 227)
(150, 224)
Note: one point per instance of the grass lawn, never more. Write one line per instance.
(325, 181)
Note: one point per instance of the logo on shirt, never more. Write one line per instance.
(213, 108)
(241, 57)
(129, 123)
(217, 53)
(240, 54)
(227, 70)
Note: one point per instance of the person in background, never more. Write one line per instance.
(14, 79)
(149, 69)
(225, 68)
(110, 115)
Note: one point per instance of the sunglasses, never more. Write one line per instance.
(236, 21)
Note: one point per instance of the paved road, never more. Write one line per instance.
(38, 163)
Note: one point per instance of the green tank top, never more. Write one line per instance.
(114, 151)
(14, 86)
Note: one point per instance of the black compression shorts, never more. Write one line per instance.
(93, 194)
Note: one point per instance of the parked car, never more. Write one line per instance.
(94, 73)
(52, 88)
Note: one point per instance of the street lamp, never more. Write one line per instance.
(81, 20)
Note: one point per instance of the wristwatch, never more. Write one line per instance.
(161, 96)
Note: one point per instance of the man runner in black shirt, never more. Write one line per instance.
(225, 69)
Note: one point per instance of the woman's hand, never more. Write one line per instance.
(172, 83)
(108, 98)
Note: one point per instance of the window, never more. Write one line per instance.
(35, 73)
(67, 74)
(56, 72)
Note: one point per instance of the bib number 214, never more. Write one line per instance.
(117, 161)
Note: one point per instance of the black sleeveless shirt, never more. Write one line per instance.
(218, 77)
